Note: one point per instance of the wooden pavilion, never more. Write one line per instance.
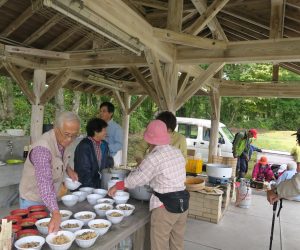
(146, 48)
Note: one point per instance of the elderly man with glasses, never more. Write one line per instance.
(46, 165)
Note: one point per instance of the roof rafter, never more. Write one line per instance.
(206, 17)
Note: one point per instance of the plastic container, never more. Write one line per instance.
(28, 223)
(20, 212)
(27, 232)
(194, 165)
(38, 215)
(15, 219)
(37, 208)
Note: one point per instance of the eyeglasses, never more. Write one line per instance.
(68, 135)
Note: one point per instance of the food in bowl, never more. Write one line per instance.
(104, 208)
(60, 240)
(115, 214)
(71, 225)
(100, 225)
(85, 216)
(86, 235)
(44, 224)
(125, 207)
(64, 214)
(30, 244)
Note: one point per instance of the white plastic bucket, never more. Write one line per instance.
(244, 195)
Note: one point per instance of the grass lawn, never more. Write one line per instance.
(272, 140)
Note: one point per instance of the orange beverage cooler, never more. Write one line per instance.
(194, 166)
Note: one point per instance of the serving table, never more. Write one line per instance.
(135, 225)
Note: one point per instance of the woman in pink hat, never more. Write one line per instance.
(164, 169)
(262, 171)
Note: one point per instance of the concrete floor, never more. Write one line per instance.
(247, 228)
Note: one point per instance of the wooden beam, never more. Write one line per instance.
(213, 25)
(132, 24)
(77, 45)
(198, 83)
(175, 10)
(277, 18)
(158, 79)
(90, 18)
(62, 37)
(2, 2)
(279, 50)
(206, 17)
(36, 52)
(21, 19)
(120, 100)
(182, 82)
(278, 90)
(188, 40)
(43, 29)
(18, 78)
(156, 4)
(60, 80)
(137, 103)
(144, 83)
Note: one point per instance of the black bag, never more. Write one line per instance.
(175, 202)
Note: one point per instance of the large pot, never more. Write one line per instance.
(112, 174)
(218, 170)
(142, 193)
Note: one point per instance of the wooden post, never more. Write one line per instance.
(125, 124)
(37, 110)
(215, 101)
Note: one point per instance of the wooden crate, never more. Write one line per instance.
(207, 207)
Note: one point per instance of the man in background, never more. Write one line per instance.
(114, 132)
(240, 148)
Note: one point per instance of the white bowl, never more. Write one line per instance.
(73, 229)
(92, 198)
(106, 201)
(82, 213)
(69, 200)
(101, 212)
(81, 195)
(51, 237)
(89, 190)
(126, 212)
(15, 132)
(42, 229)
(114, 220)
(65, 212)
(102, 192)
(28, 239)
(121, 199)
(100, 230)
(85, 243)
(72, 185)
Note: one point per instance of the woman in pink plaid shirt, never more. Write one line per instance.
(164, 169)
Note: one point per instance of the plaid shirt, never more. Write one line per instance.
(97, 147)
(41, 160)
(163, 168)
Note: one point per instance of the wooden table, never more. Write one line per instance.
(135, 225)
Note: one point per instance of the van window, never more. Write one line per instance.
(228, 133)
(189, 131)
(206, 135)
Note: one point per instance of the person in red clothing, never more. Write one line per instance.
(262, 171)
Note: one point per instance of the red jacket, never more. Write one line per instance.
(260, 173)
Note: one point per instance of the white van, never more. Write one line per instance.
(197, 133)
